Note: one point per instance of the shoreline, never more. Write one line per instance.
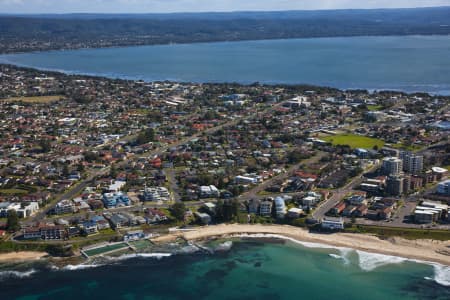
(21, 256)
(420, 250)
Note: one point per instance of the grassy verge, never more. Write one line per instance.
(412, 148)
(406, 233)
(17, 192)
(35, 100)
(374, 107)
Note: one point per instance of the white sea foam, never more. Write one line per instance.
(16, 274)
(226, 246)
(188, 249)
(277, 236)
(80, 267)
(140, 255)
(442, 274)
(335, 256)
(371, 261)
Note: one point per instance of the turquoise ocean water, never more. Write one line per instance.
(251, 269)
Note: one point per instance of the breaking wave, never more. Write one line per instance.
(16, 274)
(366, 261)
(371, 261)
(80, 267)
(442, 274)
(140, 255)
(225, 246)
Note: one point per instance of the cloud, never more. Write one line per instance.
(143, 6)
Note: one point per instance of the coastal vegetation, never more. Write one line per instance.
(31, 33)
(406, 233)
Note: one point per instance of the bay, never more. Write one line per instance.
(407, 63)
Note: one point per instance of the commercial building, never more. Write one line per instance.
(394, 185)
(392, 166)
(412, 163)
(444, 188)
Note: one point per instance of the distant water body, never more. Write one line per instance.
(407, 63)
(252, 269)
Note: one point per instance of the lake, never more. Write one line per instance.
(408, 63)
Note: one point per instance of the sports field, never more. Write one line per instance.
(354, 141)
(34, 100)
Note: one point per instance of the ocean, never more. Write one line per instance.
(407, 63)
(243, 269)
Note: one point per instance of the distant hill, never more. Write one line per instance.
(44, 32)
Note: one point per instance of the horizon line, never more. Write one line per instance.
(220, 11)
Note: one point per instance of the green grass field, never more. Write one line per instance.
(354, 141)
(374, 107)
(406, 233)
(412, 148)
(13, 192)
(35, 100)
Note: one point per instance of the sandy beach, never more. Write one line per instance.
(21, 256)
(425, 250)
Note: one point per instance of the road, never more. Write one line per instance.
(78, 188)
(69, 194)
(338, 195)
(253, 193)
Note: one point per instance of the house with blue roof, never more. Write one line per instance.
(116, 199)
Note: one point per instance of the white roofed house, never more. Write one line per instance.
(332, 223)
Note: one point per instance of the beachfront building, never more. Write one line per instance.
(203, 218)
(265, 208)
(280, 207)
(134, 235)
(332, 223)
(52, 232)
(295, 213)
(430, 211)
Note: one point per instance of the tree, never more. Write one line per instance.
(45, 145)
(13, 221)
(65, 170)
(178, 210)
(80, 167)
(146, 136)
(113, 171)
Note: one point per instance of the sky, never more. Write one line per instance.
(164, 6)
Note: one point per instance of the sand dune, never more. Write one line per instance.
(21, 256)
